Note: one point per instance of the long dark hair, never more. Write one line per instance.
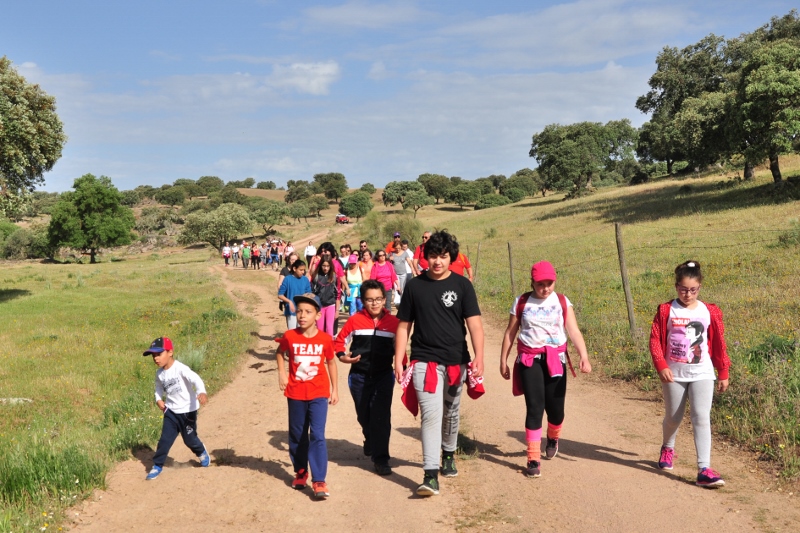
(331, 275)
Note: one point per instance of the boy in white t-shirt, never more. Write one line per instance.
(178, 392)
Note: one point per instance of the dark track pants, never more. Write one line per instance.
(372, 396)
(183, 424)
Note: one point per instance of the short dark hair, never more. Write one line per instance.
(440, 243)
(297, 264)
(370, 284)
(404, 241)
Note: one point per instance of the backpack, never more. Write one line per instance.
(563, 301)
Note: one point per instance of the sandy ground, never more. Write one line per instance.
(604, 478)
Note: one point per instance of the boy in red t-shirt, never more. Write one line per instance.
(308, 387)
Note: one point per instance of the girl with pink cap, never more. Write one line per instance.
(544, 319)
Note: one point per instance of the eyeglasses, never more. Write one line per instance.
(686, 290)
(373, 301)
(424, 238)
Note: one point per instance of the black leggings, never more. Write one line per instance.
(543, 393)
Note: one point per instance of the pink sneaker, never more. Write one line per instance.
(667, 455)
(708, 478)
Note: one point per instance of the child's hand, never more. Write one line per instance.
(161, 405)
(349, 358)
(283, 380)
(504, 371)
(291, 308)
(398, 374)
(334, 398)
(666, 376)
(585, 366)
(722, 385)
(202, 398)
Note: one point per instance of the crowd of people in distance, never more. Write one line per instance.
(272, 253)
(424, 349)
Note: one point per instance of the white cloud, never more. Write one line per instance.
(311, 78)
(363, 15)
(378, 71)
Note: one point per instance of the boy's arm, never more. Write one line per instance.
(160, 395)
(283, 379)
(197, 382)
(475, 327)
(400, 343)
(334, 377)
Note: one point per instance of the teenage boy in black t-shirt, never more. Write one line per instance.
(441, 306)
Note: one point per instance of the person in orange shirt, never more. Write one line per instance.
(395, 242)
(461, 266)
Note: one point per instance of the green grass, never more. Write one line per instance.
(72, 341)
(744, 236)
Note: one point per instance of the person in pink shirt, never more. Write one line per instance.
(383, 271)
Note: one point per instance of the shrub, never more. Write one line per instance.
(514, 194)
(27, 244)
(492, 200)
(7, 228)
(378, 229)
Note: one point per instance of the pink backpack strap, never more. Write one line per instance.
(563, 301)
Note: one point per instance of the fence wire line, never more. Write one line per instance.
(638, 248)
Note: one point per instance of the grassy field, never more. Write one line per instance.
(77, 393)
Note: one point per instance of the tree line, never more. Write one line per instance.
(718, 101)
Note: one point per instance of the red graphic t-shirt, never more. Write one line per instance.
(308, 375)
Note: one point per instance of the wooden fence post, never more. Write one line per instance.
(511, 269)
(625, 283)
(477, 258)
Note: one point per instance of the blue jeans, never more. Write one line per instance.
(183, 424)
(372, 396)
(305, 415)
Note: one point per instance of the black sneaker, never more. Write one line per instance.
(449, 465)
(532, 470)
(382, 469)
(429, 487)
(551, 450)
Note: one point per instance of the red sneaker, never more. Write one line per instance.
(321, 490)
(300, 479)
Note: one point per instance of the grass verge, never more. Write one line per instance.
(72, 343)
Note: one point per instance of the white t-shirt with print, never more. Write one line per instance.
(687, 343)
(178, 387)
(542, 323)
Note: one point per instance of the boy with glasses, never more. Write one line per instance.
(370, 334)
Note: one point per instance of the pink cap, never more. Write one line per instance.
(353, 259)
(543, 271)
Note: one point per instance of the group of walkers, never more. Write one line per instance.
(437, 305)
(251, 255)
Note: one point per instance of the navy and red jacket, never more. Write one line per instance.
(373, 342)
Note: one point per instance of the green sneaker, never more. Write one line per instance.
(429, 487)
(449, 465)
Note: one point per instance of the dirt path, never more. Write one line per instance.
(604, 478)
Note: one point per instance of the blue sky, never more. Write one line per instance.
(153, 91)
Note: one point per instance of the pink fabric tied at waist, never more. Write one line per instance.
(526, 356)
(475, 387)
